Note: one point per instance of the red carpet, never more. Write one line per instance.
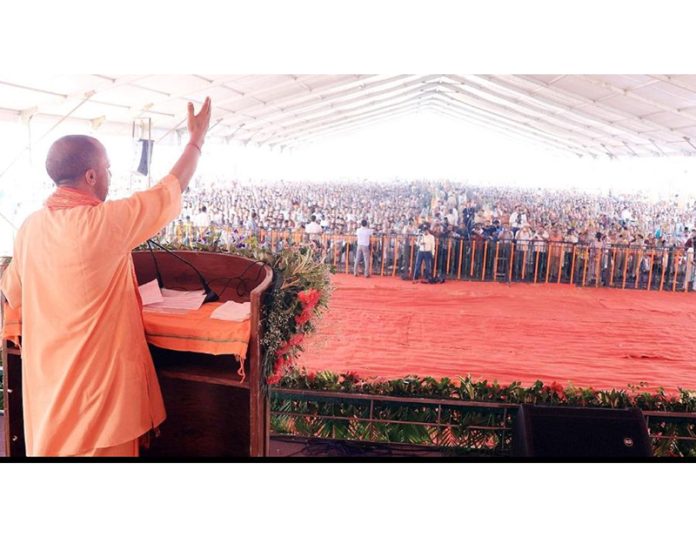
(600, 338)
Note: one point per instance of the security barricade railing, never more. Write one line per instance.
(624, 267)
(474, 426)
(456, 425)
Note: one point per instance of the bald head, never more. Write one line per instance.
(71, 156)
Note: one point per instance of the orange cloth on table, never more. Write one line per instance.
(195, 331)
(88, 377)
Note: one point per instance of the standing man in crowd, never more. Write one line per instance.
(469, 213)
(89, 385)
(522, 239)
(252, 225)
(202, 222)
(426, 247)
(540, 249)
(363, 234)
(314, 230)
(570, 242)
(518, 219)
(689, 252)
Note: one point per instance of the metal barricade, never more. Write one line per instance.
(625, 267)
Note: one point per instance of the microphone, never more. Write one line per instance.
(210, 295)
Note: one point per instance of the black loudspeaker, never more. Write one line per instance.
(551, 431)
(145, 156)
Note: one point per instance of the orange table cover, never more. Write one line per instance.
(195, 331)
(190, 331)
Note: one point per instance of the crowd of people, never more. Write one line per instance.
(544, 222)
(449, 210)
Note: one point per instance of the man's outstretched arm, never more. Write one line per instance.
(198, 125)
(143, 214)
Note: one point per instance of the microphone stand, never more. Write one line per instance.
(210, 295)
(160, 282)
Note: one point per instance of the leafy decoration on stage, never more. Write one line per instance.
(475, 429)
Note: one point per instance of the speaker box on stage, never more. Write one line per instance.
(145, 156)
(541, 431)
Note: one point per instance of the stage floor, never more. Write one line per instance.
(601, 338)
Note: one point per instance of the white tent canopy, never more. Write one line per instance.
(598, 115)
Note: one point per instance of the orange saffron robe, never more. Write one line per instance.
(88, 377)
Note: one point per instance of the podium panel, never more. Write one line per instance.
(202, 420)
(12, 388)
(212, 410)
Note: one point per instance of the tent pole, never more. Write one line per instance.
(29, 144)
(149, 153)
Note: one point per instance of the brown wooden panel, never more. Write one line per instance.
(218, 270)
(199, 367)
(203, 420)
(3, 452)
(14, 418)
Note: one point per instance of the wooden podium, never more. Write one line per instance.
(212, 411)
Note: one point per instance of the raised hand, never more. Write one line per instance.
(198, 123)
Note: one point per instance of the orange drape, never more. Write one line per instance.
(195, 331)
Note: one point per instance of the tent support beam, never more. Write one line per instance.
(558, 117)
(509, 129)
(633, 95)
(336, 111)
(601, 105)
(688, 141)
(485, 108)
(8, 221)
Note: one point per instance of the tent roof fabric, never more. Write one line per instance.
(587, 115)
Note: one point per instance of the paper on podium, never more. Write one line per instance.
(232, 311)
(178, 300)
(150, 293)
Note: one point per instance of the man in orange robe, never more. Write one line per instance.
(89, 385)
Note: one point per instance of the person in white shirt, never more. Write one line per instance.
(313, 229)
(251, 224)
(363, 233)
(522, 239)
(594, 257)
(201, 221)
(453, 217)
(426, 247)
(518, 219)
(409, 228)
